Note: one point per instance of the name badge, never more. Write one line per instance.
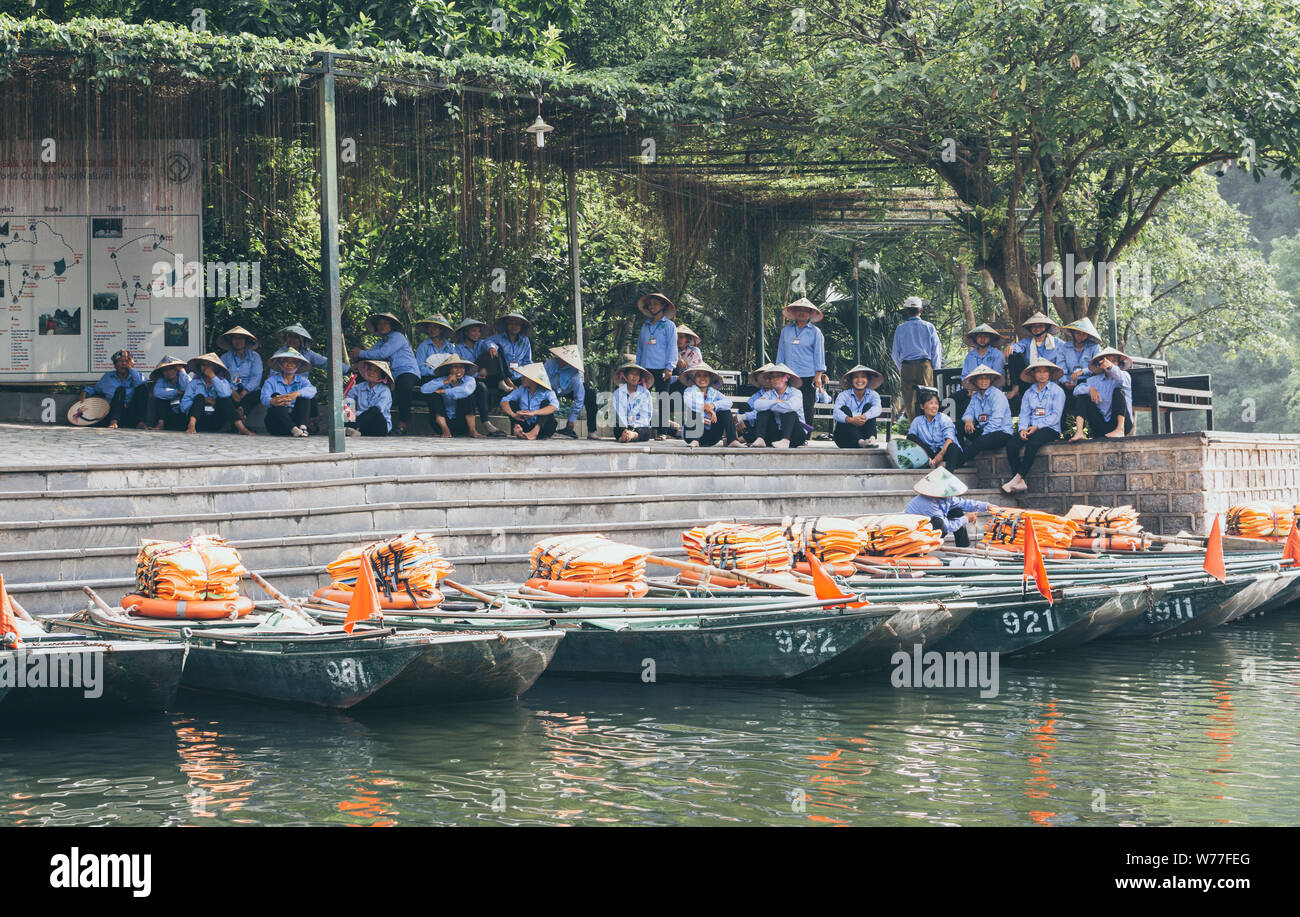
(794, 341)
(208, 409)
(175, 401)
(652, 342)
(238, 379)
(983, 418)
(514, 365)
(1040, 412)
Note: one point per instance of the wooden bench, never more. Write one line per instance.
(1155, 391)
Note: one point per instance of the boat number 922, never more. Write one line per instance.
(810, 640)
(1029, 621)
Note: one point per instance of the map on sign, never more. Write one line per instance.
(80, 241)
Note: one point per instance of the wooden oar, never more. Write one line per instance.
(18, 609)
(94, 597)
(283, 599)
(744, 576)
(471, 592)
(1196, 541)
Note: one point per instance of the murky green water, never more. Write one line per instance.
(1198, 731)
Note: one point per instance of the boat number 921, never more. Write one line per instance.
(1029, 621)
(810, 640)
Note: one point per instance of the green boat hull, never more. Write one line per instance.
(132, 677)
(1189, 608)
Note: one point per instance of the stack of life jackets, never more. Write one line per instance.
(588, 566)
(1007, 530)
(409, 565)
(738, 546)
(1262, 519)
(828, 538)
(1124, 518)
(898, 535)
(201, 568)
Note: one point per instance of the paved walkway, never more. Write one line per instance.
(35, 447)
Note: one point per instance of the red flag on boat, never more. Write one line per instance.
(1214, 553)
(1035, 569)
(1292, 550)
(365, 596)
(7, 623)
(824, 586)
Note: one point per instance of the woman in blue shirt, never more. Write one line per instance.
(656, 347)
(983, 341)
(707, 412)
(473, 347)
(126, 391)
(1040, 343)
(167, 385)
(513, 343)
(367, 409)
(776, 410)
(532, 405)
(633, 404)
(209, 398)
(394, 349)
(856, 408)
(939, 498)
(986, 422)
(436, 332)
(451, 398)
(1105, 399)
(1041, 407)
(802, 347)
(935, 432)
(287, 394)
(239, 354)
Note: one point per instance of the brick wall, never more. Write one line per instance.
(1176, 482)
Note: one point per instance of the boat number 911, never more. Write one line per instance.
(1029, 621)
(346, 673)
(1177, 610)
(810, 640)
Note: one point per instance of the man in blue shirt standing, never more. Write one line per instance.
(656, 350)
(124, 388)
(917, 353)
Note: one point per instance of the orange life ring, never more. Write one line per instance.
(581, 590)
(400, 601)
(838, 568)
(907, 563)
(208, 610)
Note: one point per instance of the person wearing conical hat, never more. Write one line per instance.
(125, 390)
(564, 369)
(656, 347)
(983, 341)
(239, 353)
(287, 393)
(917, 353)
(939, 498)
(395, 350)
(436, 332)
(775, 413)
(209, 398)
(633, 403)
(300, 339)
(513, 343)
(1081, 343)
(470, 338)
(934, 431)
(167, 386)
(1104, 400)
(1041, 408)
(802, 347)
(532, 405)
(856, 408)
(367, 409)
(986, 422)
(451, 397)
(708, 419)
(1038, 342)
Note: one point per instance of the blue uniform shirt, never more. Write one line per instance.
(427, 349)
(990, 411)
(396, 349)
(694, 400)
(633, 410)
(109, 383)
(1050, 350)
(518, 352)
(366, 396)
(916, 339)
(275, 385)
(566, 381)
(940, 506)
(1042, 408)
(171, 392)
(450, 393)
(656, 348)
(802, 349)
(847, 403)
(245, 371)
(199, 388)
(1105, 384)
(477, 352)
(992, 358)
(933, 432)
(768, 400)
(1071, 358)
(523, 400)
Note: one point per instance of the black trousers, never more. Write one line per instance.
(1099, 426)
(848, 436)
(809, 393)
(953, 459)
(157, 410)
(1016, 364)
(281, 419)
(1022, 452)
(127, 415)
(772, 426)
(979, 442)
(216, 420)
(961, 536)
(403, 394)
(721, 430)
(546, 423)
(643, 434)
(659, 418)
(461, 408)
(371, 422)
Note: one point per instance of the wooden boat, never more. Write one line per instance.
(87, 676)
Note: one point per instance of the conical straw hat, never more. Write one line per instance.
(940, 483)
